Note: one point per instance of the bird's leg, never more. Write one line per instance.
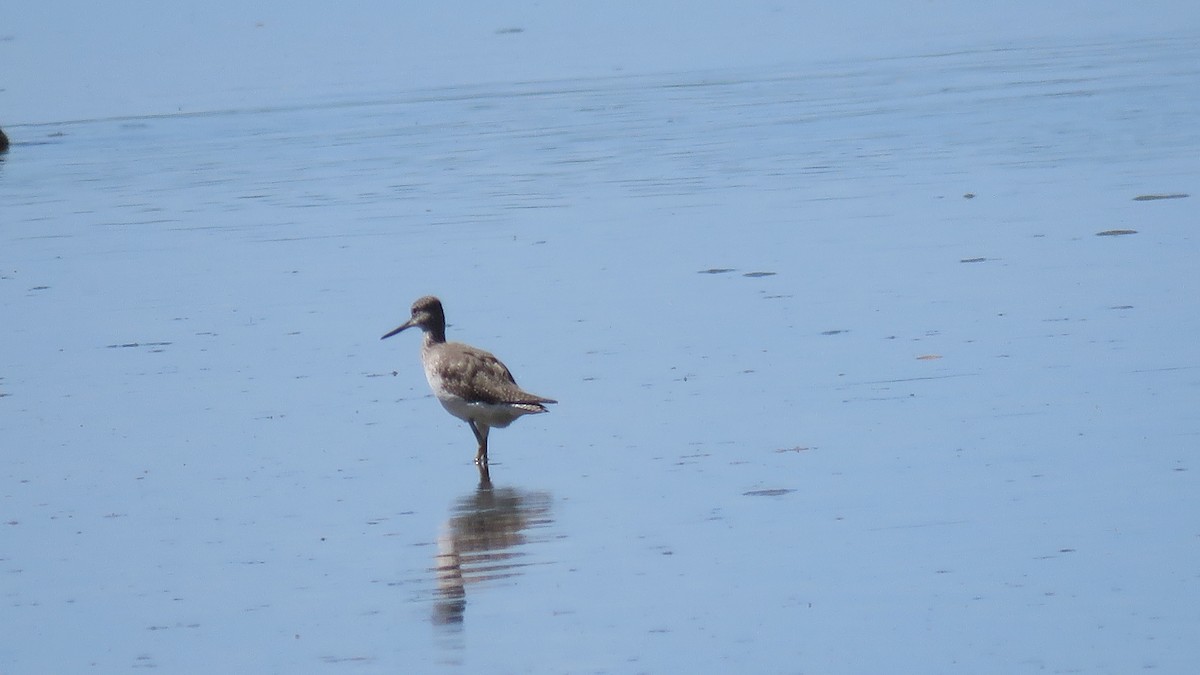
(481, 434)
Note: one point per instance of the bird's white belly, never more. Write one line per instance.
(497, 415)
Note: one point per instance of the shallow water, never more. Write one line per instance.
(848, 381)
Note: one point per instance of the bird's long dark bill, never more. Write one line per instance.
(407, 324)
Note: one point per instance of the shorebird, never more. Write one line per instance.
(470, 383)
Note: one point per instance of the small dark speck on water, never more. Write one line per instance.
(972, 260)
(717, 270)
(772, 492)
(1115, 233)
(757, 275)
(969, 195)
(1151, 198)
(837, 331)
(509, 31)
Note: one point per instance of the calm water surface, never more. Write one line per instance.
(848, 381)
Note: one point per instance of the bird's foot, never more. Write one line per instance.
(485, 476)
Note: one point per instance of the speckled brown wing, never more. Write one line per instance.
(478, 376)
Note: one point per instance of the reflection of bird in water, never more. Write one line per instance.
(470, 383)
(482, 540)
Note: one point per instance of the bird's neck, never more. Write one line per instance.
(436, 335)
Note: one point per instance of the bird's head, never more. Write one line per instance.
(427, 315)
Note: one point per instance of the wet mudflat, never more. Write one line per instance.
(848, 382)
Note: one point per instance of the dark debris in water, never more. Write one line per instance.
(1054, 555)
(1151, 198)
(1115, 233)
(771, 492)
(727, 270)
(972, 260)
(138, 344)
(348, 659)
(836, 331)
